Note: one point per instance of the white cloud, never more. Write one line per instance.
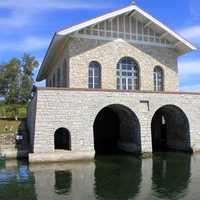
(192, 32)
(187, 68)
(27, 44)
(190, 88)
(14, 20)
(27, 12)
(52, 4)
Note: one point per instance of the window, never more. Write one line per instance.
(158, 79)
(94, 78)
(127, 74)
(58, 77)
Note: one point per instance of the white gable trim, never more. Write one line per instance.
(77, 35)
(130, 10)
(161, 25)
(96, 20)
(120, 12)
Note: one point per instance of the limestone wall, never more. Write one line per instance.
(80, 52)
(76, 110)
(108, 54)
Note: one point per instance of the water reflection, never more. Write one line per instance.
(171, 175)
(63, 180)
(117, 178)
(166, 176)
(17, 183)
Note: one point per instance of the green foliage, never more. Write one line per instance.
(16, 83)
(10, 111)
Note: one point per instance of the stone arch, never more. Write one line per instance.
(116, 129)
(170, 130)
(62, 139)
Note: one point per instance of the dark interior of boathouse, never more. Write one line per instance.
(117, 130)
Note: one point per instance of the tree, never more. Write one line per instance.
(28, 65)
(16, 80)
(9, 80)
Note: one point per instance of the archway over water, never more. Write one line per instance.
(170, 130)
(116, 130)
(62, 139)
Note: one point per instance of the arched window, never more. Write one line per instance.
(158, 79)
(127, 74)
(94, 78)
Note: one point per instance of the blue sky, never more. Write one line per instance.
(28, 26)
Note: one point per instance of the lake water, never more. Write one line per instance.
(166, 176)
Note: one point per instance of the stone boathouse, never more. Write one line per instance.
(112, 85)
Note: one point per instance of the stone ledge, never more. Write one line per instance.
(60, 156)
(117, 91)
(14, 153)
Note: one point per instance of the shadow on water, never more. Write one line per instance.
(171, 175)
(117, 177)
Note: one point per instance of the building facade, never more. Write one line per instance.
(111, 86)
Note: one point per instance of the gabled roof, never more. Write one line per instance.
(59, 37)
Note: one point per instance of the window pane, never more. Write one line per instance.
(97, 80)
(130, 84)
(123, 73)
(127, 71)
(124, 83)
(158, 79)
(90, 85)
(130, 67)
(124, 66)
(96, 72)
(94, 79)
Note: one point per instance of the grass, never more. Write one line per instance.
(9, 126)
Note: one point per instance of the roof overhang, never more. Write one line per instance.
(181, 44)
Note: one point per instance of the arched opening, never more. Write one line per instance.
(62, 139)
(170, 130)
(116, 130)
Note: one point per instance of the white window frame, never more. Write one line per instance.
(123, 69)
(158, 75)
(93, 66)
